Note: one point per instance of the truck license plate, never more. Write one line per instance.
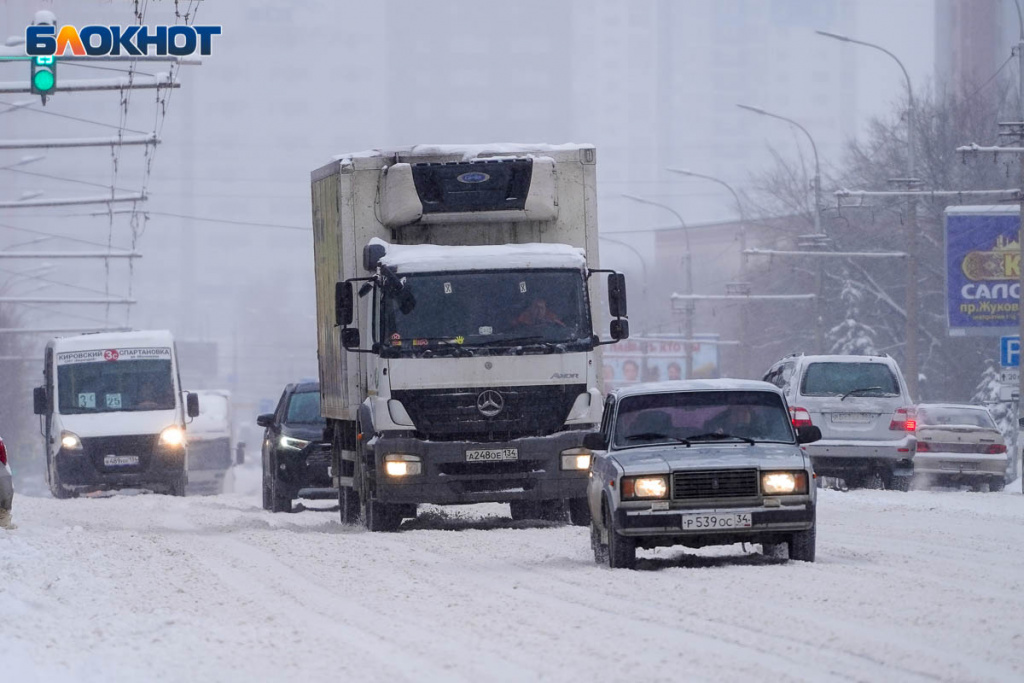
(492, 454)
(715, 521)
(116, 460)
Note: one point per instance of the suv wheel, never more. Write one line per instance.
(802, 545)
(279, 500)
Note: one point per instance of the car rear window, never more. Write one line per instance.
(839, 379)
(962, 417)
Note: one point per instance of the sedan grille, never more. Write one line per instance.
(700, 484)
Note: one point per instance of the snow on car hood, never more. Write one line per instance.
(120, 423)
(659, 459)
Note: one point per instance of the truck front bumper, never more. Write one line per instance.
(164, 468)
(449, 478)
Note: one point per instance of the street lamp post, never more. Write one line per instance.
(910, 360)
(819, 323)
(743, 250)
(689, 273)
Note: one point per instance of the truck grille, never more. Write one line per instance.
(453, 414)
(699, 484)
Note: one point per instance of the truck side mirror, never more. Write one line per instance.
(617, 295)
(265, 420)
(192, 404)
(239, 453)
(619, 329)
(343, 307)
(40, 404)
(350, 338)
(808, 434)
(594, 441)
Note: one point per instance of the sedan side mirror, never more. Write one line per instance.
(192, 404)
(808, 434)
(594, 441)
(40, 404)
(265, 420)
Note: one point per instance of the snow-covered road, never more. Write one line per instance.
(918, 586)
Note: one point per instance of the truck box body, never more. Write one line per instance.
(473, 235)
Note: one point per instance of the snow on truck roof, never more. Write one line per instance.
(466, 152)
(697, 385)
(435, 257)
(998, 209)
(110, 340)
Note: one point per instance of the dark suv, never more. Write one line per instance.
(295, 456)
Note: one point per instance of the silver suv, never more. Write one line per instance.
(864, 411)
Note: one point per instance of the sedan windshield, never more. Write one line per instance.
(469, 311)
(696, 416)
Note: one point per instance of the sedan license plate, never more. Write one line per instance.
(958, 466)
(117, 460)
(856, 418)
(717, 521)
(492, 454)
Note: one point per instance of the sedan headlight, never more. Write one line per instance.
(70, 441)
(400, 465)
(173, 436)
(576, 459)
(644, 487)
(783, 483)
(290, 443)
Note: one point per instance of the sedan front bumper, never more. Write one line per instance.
(766, 522)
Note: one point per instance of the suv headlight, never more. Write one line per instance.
(70, 441)
(645, 488)
(575, 459)
(783, 483)
(290, 443)
(401, 465)
(173, 436)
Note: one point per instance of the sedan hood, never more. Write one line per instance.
(666, 458)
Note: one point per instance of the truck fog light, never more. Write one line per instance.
(400, 465)
(173, 436)
(575, 459)
(70, 441)
(783, 483)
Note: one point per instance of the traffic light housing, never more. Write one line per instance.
(44, 75)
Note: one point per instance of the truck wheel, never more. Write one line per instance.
(579, 512)
(599, 548)
(621, 549)
(801, 545)
(348, 501)
(381, 516)
(57, 486)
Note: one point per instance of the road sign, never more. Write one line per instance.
(1011, 377)
(1009, 351)
(1008, 393)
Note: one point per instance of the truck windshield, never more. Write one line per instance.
(498, 310)
(122, 385)
(701, 416)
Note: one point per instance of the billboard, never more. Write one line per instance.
(655, 359)
(982, 269)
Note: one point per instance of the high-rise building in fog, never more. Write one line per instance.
(973, 38)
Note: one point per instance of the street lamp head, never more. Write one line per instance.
(756, 110)
(837, 36)
(681, 171)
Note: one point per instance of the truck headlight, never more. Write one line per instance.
(783, 483)
(401, 465)
(290, 443)
(576, 459)
(173, 436)
(70, 441)
(644, 487)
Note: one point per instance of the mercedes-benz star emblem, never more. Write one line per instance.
(490, 403)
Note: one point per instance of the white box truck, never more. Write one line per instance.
(113, 413)
(456, 307)
(211, 451)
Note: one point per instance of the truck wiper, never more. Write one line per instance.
(715, 436)
(518, 341)
(647, 436)
(857, 391)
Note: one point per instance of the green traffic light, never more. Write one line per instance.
(43, 80)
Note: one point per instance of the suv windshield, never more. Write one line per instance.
(961, 417)
(304, 408)
(496, 309)
(855, 379)
(115, 385)
(718, 416)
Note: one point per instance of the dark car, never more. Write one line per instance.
(295, 456)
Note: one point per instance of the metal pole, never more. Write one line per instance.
(689, 274)
(1020, 314)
